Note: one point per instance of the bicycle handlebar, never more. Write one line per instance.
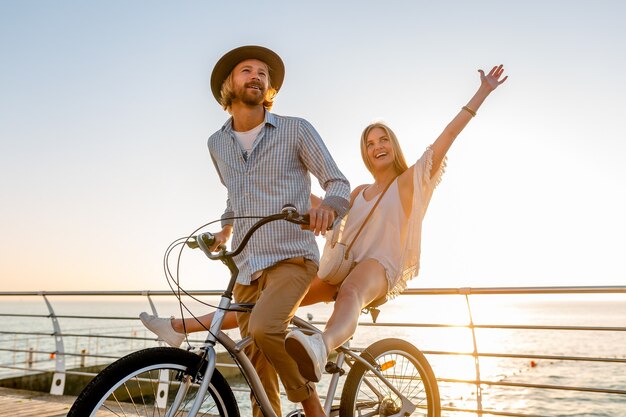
(207, 239)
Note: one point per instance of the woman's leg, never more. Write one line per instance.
(367, 282)
(319, 292)
(202, 323)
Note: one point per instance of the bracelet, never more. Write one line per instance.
(470, 111)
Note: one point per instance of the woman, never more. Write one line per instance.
(384, 262)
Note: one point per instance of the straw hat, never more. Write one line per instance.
(230, 60)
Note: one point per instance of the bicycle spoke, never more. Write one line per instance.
(143, 399)
(154, 388)
(118, 405)
(373, 413)
(110, 411)
(367, 380)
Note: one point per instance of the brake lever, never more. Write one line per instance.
(206, 240)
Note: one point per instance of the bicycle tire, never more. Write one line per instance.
(146, 382)
(405, 367)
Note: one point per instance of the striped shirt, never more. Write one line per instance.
(274, 173)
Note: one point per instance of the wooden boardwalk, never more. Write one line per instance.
(19, 403)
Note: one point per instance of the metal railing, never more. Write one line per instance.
(25, 358)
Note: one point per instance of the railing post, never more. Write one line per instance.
(479, 393)
(14, 349)
(154, 312)
(83, 358)
(152, 306)
(58, 378)
(29, 358)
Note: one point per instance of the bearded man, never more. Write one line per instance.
(264, 160)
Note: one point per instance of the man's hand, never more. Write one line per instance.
(321, 218)
(221, 237)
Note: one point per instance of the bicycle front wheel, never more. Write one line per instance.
(405, 367)
(154, 382)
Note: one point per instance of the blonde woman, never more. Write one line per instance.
(387, 252)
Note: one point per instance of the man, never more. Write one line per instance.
(264, 160)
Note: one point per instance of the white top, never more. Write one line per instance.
(381, 237)
(390, 236)
(246, 139)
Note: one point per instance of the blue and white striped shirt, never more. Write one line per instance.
(276, 172)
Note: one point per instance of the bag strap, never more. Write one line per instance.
(364, 221)
(336, 237)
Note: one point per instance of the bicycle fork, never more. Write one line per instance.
(210, 356)
(202, 388)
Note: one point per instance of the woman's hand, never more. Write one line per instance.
(492, 80)
(488, 83)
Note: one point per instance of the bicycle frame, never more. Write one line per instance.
(236, 349)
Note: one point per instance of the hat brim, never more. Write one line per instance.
(230, 60)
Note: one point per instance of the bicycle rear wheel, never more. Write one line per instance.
(154, 382)
(405, 367)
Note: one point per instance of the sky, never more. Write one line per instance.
(105, 110)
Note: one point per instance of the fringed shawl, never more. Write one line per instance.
(423, 186)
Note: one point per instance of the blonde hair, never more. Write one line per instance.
(227, 93)
(399, 163)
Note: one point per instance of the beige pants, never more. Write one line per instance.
(277, 293)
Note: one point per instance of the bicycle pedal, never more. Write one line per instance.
(332, 368)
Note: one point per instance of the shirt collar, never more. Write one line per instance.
(270, 119)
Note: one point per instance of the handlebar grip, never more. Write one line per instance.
(305, 220)
(206, 238)
(205, 241)
(302, 219)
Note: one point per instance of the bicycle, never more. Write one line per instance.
(391, 377)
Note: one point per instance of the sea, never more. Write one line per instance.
(447, 344)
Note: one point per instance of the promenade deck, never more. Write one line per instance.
(21, 403)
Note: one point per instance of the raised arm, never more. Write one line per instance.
(488, 83)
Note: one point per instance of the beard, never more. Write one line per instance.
(249, 96)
